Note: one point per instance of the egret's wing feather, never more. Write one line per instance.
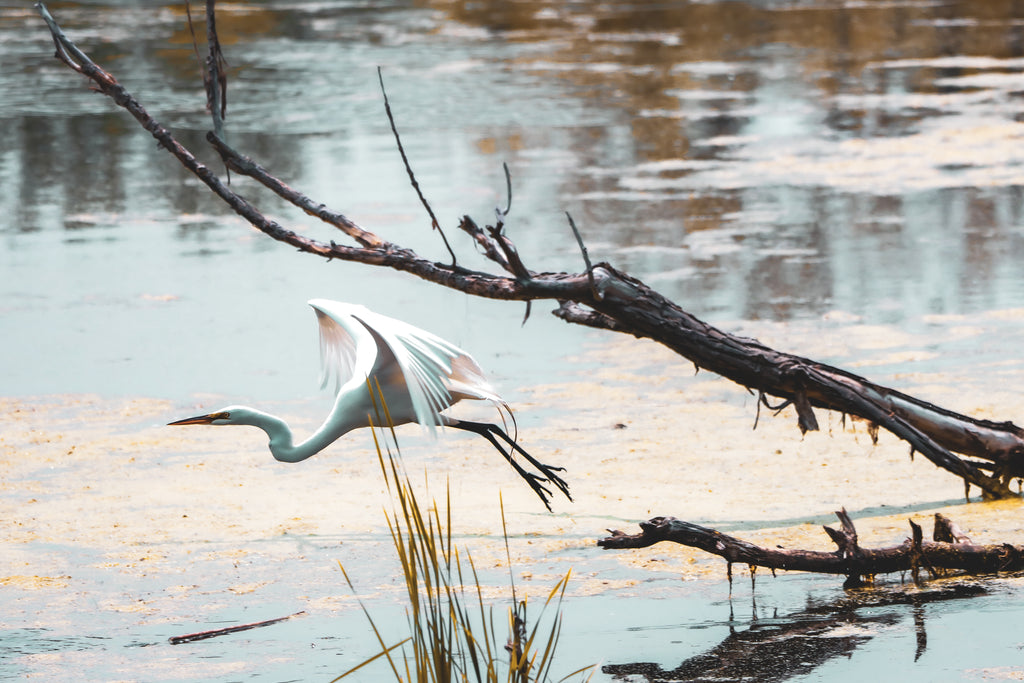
(436, 373)
(347, 350)
(425, 361)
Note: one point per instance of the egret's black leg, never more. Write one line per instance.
(488, 431)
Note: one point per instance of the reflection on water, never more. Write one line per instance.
(780, 648)
(860, 157)
(752, 160)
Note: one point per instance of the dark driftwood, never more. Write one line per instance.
(983, 453)
(203, 635)
(950, 549)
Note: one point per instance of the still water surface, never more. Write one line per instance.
(781, 162)
(751, 160)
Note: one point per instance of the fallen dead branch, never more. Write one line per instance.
(983, 453)
(950, 550)
(203, 635)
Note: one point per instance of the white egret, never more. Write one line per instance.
(418, 373)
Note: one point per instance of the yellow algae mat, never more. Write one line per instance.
(104, 481)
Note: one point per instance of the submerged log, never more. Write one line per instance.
(982, 453)
(849, 559)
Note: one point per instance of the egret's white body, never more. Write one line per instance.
(419, 375)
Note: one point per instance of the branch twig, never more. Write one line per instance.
(216, 80)
(586, 257)
(408, 169)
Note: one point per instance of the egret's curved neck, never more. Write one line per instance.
(282, 443)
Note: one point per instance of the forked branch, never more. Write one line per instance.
(950, 549)
(985, 454)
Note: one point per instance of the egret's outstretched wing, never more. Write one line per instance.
(437, 373)
(425, 361)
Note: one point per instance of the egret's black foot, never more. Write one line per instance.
(488, 431)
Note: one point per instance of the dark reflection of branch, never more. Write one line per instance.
(780, 648)
(919, 632)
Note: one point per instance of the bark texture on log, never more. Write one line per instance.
(985, 454)
(849, 559)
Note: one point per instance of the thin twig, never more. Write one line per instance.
(65, 48)
(71, 55)
(586, 258)
(515, 264)
(776, 409)
(501, 215)
(408, 169)
(195, 40)
(217, 82)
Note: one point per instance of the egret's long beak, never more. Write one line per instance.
(199, 419)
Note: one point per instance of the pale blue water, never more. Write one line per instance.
(751, 160)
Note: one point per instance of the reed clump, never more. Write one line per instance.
(453, 633)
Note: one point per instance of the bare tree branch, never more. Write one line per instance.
(606, 298)
(849, 558)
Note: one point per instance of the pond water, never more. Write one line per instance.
(803, 171)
